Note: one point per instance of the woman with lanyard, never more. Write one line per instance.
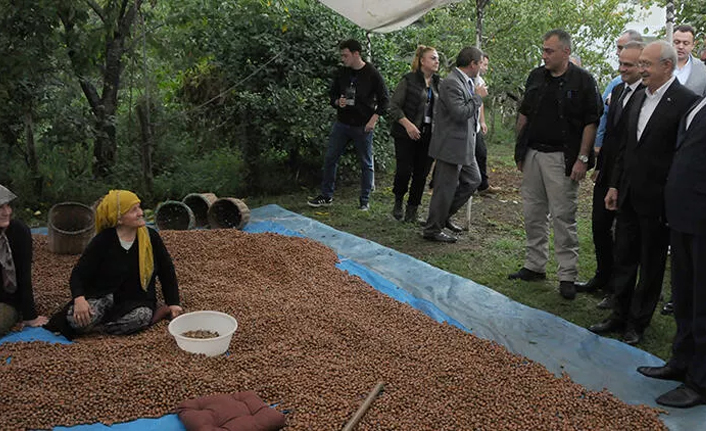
(16, 296)
(411, 110)
(113, 283)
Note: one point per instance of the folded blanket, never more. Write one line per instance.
(242, 411)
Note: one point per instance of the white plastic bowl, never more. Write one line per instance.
(216, 321)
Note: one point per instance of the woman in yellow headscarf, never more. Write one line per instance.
(113, 283)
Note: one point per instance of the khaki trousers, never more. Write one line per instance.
(548, 194)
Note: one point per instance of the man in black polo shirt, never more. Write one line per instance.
(556, 128)
(360, 97)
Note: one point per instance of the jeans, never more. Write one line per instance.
(341, 134)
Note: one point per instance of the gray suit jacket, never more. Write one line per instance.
(697, 77)
(453, 138)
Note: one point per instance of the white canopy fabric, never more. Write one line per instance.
(383, 16)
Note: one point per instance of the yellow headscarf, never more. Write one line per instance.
(115, 204)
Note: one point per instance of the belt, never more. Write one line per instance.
(545, 148)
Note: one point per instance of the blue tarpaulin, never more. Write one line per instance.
(561, 346)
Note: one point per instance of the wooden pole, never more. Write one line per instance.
(350, 426)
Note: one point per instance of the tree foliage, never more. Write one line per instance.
(231, 95)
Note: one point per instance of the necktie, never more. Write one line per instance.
(621, 103)
(7, 265)
(471, 87)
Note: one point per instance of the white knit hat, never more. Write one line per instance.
(6, 195)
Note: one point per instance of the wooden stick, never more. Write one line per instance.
(468, 213)
(350, 426)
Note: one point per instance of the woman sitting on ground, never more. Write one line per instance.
(113, 283)
(16, 296)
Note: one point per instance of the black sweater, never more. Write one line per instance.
(106, 267)
(371, 95)
(20, 238)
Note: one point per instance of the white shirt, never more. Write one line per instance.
(651, 102)
(692, 114)
(684, 72)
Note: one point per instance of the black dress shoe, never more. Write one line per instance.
(439, 237)
(682, 397)
(632, 336)
(567, 289)
(527, 275)
(591, 285)
(665, 372)
(453, 227)
(606, 303)
(667, 309)
(606, 326)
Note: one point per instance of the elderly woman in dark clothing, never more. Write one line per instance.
(113, 283)
(412, 109)
(16, 296)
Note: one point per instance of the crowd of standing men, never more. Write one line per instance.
(646, 138)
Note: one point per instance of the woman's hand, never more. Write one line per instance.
(175, 310)
(39, 321)
(412, 131)
(82, 311)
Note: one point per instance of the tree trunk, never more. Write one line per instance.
(143, 117)
(32, 153)
(105, 105)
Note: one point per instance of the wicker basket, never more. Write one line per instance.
(71, 226)
(199, 204)
(174, 215)
(228, 213)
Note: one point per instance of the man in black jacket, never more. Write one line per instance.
(360, 97)
(637, 192)
(602, 218)
(685, 200)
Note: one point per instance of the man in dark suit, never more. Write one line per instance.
(685, 200)
(601, 217)
(453, 144)
(637, 192)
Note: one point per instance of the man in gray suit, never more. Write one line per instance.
(690, 72)
(453, 143)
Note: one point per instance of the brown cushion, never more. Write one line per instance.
(242, 411)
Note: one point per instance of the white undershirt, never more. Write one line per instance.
(126, 244)
(651, 102)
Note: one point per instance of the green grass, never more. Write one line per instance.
(492, 248)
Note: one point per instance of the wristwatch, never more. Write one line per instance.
(583, 158)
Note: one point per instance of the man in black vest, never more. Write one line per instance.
(685, 199)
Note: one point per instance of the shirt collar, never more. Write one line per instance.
(634, 85)
(466, 78)
(660, 91)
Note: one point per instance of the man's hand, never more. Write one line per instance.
(611, 199)
(579, 171)
(481, 90)
(82, 311)
(412, 132)
(370, 125)
(175, 310)
(484, 128)
(519, 166)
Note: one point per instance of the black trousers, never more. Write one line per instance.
(413, 162)
(482, 160)
(640, 244)
(602, 227)
(689, 297)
